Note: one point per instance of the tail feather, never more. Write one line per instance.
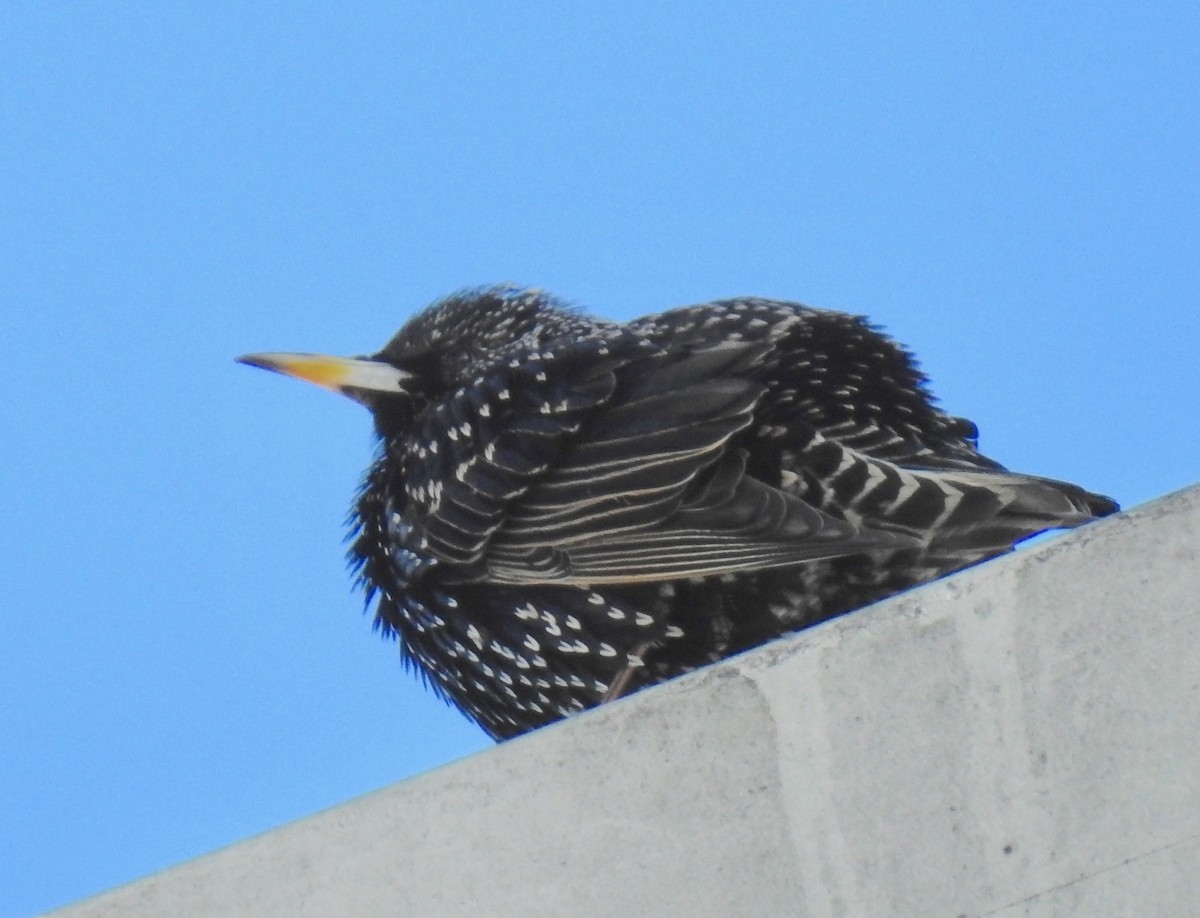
(1055, 504)
(1020, 507)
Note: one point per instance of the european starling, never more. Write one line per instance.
(564, 510)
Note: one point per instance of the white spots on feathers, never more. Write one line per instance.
(474, 636)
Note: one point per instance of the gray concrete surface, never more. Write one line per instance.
(1022, 739)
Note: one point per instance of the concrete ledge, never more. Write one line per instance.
(1021, 739)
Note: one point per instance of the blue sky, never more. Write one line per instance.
(1011, 189)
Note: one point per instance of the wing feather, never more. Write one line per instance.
(635, 480)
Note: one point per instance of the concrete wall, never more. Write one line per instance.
(1021, 739)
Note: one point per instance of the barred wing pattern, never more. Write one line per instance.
(587, 465)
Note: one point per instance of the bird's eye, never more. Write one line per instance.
(425, 365)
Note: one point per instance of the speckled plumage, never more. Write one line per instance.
(564, 510)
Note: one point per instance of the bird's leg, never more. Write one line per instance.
(618, 686)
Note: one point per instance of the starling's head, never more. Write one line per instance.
(456, 338)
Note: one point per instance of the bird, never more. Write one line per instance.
(565, 510)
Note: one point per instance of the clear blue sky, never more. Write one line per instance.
(1012, 189)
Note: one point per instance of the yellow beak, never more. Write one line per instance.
(337, 374)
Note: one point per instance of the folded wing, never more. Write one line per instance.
(650, 489)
